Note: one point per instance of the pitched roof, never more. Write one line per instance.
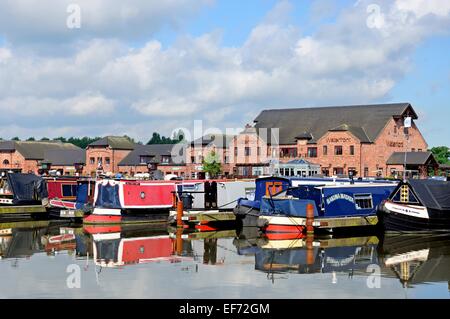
(156, 150)
(364, 121)
(37, 150)
(301, 161)
(115, 142)
(412, 158)
(219, 140)
(65, 157)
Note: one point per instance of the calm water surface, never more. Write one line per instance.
(56, 260)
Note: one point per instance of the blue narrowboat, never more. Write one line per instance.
(279, 206)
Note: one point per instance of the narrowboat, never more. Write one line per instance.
(209, 204)
(417, 205)
(23, 196)
(82, 205)
(119, 201)
(283, 202)
(215, 194)
(329, 208)
(62, 188)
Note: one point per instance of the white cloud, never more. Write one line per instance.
(30, 21)
(151, 88)
(421, 8)
(81, 105)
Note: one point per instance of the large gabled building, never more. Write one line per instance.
(356, 139)
(40, 157)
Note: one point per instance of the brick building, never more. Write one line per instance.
(358, 139)
(145, 158)
(199, 149)
(104, 155)
(40, 156)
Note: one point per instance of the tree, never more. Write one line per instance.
(15, 139)
(45, 139)
(212, 165)
(158, 139)
(442, 154)
(31, 139)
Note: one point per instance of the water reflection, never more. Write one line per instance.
(242, 261)
(416, 259)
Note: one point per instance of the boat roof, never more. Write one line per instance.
(357, 185)
(433, 194)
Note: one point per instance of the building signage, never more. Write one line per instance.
(394, 144)
(339, 140)
(339, 196)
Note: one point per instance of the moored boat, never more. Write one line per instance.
(248, 210)
(280, 208)
(417, 205)
(80, 206)
(118, 201)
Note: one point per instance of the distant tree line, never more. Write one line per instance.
(83, 142)
(158, 139)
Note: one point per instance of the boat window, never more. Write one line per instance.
(363, 201)
(69, 190)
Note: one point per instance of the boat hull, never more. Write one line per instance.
(247, 216)
(402, 218)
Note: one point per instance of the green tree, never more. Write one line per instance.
(442, 154)
(212, 164)
(31, 139)
(15, 139)
(45, 139)
(158, 139)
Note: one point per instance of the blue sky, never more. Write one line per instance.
(141, 66)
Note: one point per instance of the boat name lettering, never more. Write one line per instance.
(339, 196)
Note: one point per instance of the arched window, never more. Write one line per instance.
(5, 162)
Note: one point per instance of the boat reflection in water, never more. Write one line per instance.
(119, 246)
(24, 239)
(416, 259)
(309, 255)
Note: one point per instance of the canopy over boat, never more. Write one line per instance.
(27, 188)
(432, 194)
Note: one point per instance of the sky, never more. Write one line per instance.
(100, 67)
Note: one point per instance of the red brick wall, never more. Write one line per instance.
(331, 161)
(391, 139)
(15, 159)
(115, 157)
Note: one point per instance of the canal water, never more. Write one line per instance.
(42, 259)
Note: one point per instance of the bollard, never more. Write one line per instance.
(179, 241)
(309, 250)
(309, 219)
(180, 214)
